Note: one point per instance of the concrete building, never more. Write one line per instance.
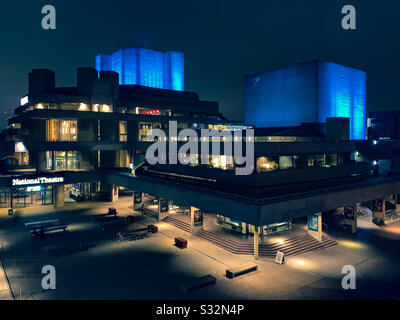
(91, 139)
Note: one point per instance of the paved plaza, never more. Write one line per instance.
(153, 268)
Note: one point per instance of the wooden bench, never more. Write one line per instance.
(42, 231)
(240, 270)
(180, 242)
(60, 249)
(38, 224)
(197, 283)
(114, 221)
(133, 234)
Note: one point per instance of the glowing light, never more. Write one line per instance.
(106, 108)
(83, 107)
(301, 262)
(374, 162)
(40, 106)
(145, 67)
(351, 244)
(24, 100)
(374, 142)
(20, 147)
(307, 92)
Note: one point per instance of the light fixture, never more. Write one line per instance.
(83, 107)
(24, 101)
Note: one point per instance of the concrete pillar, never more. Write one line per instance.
(137, 200)
(378, 211)
(397, 203)
(350, 218)
(314, 226)
(256, 241)
(59, 196)
(162, 210)
(192, 210)
(244, 228)
(114, 193)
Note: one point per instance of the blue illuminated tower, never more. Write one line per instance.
(307, 92)
(145, 67)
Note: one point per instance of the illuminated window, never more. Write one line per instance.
(62, 130)
(266, 164)
(123, 131)
(62, 160)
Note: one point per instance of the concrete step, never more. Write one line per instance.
(177, 223)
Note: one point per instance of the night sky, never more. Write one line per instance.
(222, 41)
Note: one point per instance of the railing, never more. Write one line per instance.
(365, 183)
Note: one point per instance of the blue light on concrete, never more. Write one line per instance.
(306, 92)
(342, 93)
(145, 67)
(103, 62)
(174, 70)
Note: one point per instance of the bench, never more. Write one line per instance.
(112, 211)
(180, 242)
(41, 231)
(114, 221)
(133, 234)
(63, 249)
(152, 228)
(240, 270)
(197, 283)
(37, 224)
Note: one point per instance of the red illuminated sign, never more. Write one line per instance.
(150, 112)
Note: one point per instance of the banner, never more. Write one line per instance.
(198, 218)
(164, 205)
(137, 200)
(313, 222)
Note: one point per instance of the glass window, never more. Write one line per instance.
(59, 160)
(285, 162)
(62, 130)
(72, 160)
(123, 131)
(62, 160)
(265, 164)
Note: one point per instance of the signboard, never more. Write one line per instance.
(313, 222)
(198, 218)
(137, 200)
(157, 112)
(36, 181)
(164, 205)
(349, 213)
(280, 257)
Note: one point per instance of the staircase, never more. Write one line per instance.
(225, 243)
(295, 246)
(177, 223)
(150, 213)
(290, 247)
